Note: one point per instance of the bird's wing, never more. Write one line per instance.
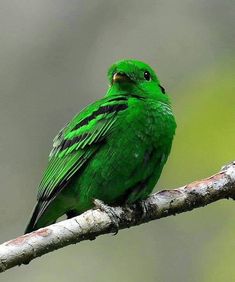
(75, 144)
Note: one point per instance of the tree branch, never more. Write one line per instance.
(93, 223)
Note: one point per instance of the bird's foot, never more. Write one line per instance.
(144, 209)
(110, 212)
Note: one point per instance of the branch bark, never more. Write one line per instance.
(94, 223)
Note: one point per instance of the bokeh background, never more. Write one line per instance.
(54, 56)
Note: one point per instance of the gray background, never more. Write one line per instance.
(53, 61)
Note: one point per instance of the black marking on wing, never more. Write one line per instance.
(46, 198)
(123, 98)
(102, 110)
(70, 142)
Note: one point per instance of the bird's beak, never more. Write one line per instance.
(120, 77)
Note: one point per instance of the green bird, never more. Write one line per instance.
(114, 150)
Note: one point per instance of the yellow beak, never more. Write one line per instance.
(120, 77)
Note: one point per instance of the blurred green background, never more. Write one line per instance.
(54, 56)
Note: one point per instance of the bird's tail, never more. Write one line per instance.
(31, 226)
(39, 217)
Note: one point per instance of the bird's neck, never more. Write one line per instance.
(119, 90)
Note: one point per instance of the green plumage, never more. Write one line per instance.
(113, 150)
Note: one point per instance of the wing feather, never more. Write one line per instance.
(74, 146)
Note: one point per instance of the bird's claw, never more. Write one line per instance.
(143, 208)
(110, 212)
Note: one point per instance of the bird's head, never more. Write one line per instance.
(135, 77)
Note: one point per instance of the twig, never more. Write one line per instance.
(93, 223)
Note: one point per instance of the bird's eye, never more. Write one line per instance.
(162, 89)
(147, 75)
